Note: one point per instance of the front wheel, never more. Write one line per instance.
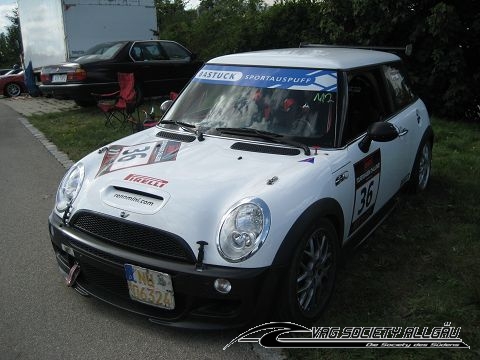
(311, 276)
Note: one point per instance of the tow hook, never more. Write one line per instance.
(72, 275)
(199, 266)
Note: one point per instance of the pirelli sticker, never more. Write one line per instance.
(367, 182)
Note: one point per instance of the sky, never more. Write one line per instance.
(6, 7)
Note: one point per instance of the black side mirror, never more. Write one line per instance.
(380, 131)
(165, 106)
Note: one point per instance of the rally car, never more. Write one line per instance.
(238, 205)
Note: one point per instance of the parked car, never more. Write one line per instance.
(241, 201)
(12, 84)
(160, 66)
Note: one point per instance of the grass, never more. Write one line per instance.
(77, 132)
(420, 268)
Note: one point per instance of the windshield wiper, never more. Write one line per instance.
(185, 126)
(265, 135)
(178, 123)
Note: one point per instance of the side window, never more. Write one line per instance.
(154, 52)
(398, 85)
(148, 51)
(366, 102)
(175, 51)
(137, 53)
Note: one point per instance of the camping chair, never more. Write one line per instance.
(119, 106)
(151, 119)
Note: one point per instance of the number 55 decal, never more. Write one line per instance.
(367, 181)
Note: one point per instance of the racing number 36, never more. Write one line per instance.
(367, 181)
(366, 195)
(134, 154)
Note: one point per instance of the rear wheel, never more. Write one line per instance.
(311, 277)
(12, 90)
(422, 168)
(85, 102)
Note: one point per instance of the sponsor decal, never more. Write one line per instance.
(147, 180)
(135, 199)
(119, 157)
(219, 75)
(367, 183)
(291, 335)
(309, 160)
(296, 79)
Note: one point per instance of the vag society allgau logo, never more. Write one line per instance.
(219, 75)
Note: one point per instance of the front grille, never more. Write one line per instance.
(93, 251)
(133, 236)
(111, 286)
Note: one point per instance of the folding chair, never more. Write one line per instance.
(119, 106)
(151, 119)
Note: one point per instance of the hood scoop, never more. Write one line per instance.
(265, 149)
(175, 136)
(127, 199)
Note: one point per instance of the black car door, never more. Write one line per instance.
(162, 66)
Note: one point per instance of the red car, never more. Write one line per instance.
(12, 84)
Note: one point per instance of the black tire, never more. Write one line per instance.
(311, 277)
(12, 90)
(85, 102)
(422, 168)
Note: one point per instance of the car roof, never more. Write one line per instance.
(323, 58)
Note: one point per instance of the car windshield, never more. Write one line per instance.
(299, 104)
(13, 72)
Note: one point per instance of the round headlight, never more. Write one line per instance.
(244, 229)
(70, 186)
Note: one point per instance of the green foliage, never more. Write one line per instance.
(10, 42)
(445, 35)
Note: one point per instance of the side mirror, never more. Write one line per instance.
(165, 106)
(380, 131)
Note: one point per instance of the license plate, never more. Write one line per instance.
(150, 287)
(59, 78)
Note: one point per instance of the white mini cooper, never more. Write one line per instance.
(237, 206)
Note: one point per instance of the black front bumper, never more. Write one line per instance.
(197, 303)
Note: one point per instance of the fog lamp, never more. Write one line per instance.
(223, 286)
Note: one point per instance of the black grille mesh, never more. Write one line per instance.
(132, 235)
(265, 149)
(174, 136)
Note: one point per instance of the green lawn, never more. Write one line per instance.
(78, 132)
(420, 268)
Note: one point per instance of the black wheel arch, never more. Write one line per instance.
(428, 135)
(327, 208)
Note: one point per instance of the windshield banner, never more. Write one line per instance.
(294, 79)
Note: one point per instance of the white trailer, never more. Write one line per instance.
(55, 31)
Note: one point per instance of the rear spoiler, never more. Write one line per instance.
(407, 49)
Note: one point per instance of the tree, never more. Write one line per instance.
(10, 42)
